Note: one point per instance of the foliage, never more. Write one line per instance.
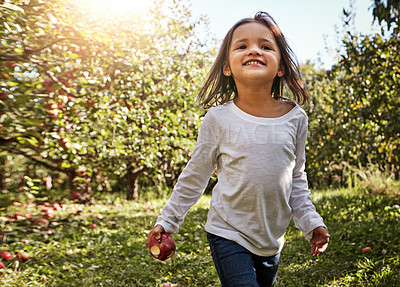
(354, 115)
(388, 13)
(70, 253)
(100, 98)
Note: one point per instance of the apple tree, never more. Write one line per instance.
(101, 100)
(354, 118)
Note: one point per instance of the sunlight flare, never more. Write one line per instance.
(115, 7)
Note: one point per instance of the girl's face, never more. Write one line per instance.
(253, 55)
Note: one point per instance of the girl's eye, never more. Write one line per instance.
(241, 47)
(265, 47)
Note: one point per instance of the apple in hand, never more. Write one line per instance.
(164, 248)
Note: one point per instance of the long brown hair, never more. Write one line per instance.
(219, 89)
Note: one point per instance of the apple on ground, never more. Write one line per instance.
(6, 255)
(163, 249)
(92, 225)
(42, 222)
(75, 195)
(366, 249)
(166, 284)
(23, 256)
(19, 215)
(2, 265)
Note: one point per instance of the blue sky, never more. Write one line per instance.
(309, 25)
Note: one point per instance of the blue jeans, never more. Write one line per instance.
(236, 266)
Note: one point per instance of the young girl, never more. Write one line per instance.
(256, 138)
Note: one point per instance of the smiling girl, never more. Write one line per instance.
(256, 138)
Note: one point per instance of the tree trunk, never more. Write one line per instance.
(132, 182)
(2, 173)
(71, 174)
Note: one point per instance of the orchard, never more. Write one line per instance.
(98, 117)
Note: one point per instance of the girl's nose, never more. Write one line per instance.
(254, 51)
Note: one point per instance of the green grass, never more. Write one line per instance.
(114, 253)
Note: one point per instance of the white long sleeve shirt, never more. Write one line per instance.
(261, 179)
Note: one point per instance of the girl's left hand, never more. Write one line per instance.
(319, 240)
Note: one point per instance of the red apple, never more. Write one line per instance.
(6, 255)
(165, 285)
(75, 195)
(23, 256)
(92, 225)
(42, 222)
(2, 265)
(51, 106)
(366, 249)
(163, 249)
(19, 215)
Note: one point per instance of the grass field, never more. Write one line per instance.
(69, 252)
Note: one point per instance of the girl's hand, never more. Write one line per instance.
(156, 232)
(319, 240)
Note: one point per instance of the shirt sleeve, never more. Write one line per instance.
(194, 178)
(304, 214)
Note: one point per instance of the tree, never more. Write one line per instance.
(354, 119)
(100, 101)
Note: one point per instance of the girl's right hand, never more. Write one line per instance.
(156, 232)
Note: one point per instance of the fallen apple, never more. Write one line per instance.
(42, 222)
(164, 248)
(75, 195)
(23, 256)
(19, 215)
(366, 249)
(2, 265)
(6, 255)
(92, 225)
(165, 285)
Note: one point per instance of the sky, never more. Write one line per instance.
(309, 25)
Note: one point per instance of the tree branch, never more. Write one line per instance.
(52, 166)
